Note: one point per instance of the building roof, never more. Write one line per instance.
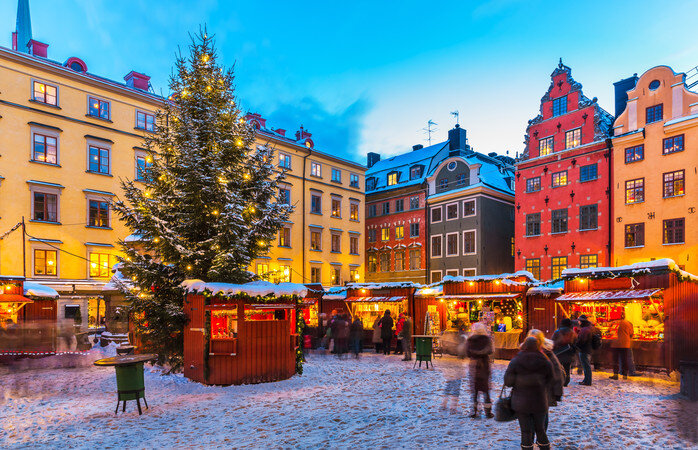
(492, 173)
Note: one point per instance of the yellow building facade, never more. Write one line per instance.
(655, 183)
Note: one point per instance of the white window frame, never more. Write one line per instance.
(456, 233)
(313, 165)
(457, 211)
(475, 235)
(431, 275)
(431, 245)
(285, 155)
(474, 208)
(431, 214)
(38, 129)
(474, 269)
(453, 272)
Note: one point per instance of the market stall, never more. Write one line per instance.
(540, 310)
(240, 334)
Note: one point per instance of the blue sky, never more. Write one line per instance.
(367, 76)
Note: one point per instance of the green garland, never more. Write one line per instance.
(207, 343)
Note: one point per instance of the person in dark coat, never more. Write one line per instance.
(356, 334)
(557, 385)
(584, 347)
(387, 332)
(530, 374)
(407, 337)
(564, 339)
(479, 348)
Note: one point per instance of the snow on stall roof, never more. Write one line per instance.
(430, 290)
(633, 269)
(547, 289)
(335, 293)
(391, 285)
(34, 289)
(253, 289)
(505, 278)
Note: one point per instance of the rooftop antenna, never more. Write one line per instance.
(431, 128)
(456, 114)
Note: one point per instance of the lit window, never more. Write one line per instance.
(353, 211)
(284, 161)
(145, 121)
(559, 264)
(45, 93)
(372, 264)
(674, 183)
(674, 231)
(545, 146)
(573, 138)
(99, 160)
(285, 237)
(533, 184)
(635, 191)
(315, 169)
(399, 232)
(143, 165)
(45, 262)
(45, 149)
(336, 207)
(284, 274)
(415, 259)
(263, 271)
(634, 235)
(587, 261)
(399, 261)
(533, 266)
(559, 106)
(100, 265)
(385, 234)
(315, 240)
(98, 214)
(98, 108)
(392, 179)
(335, 276)
(559, 179)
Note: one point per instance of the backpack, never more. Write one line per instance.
(596, 341)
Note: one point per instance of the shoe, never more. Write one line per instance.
(581, 383)
(614, 377)
(474, 415)
(488, 414)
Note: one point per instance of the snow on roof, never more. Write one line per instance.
(431, 290)
(253, 289)
(505, 278)
(34, 289)
(492, 173)
(547, 289)
(402, 164)
(633, 269)
(335, 293)
(680, 119)
(393, 285)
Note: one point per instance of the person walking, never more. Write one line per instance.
(479, 348)
(530, 374)
(621, 347)
(398, 333)
(376, 338)
(564, 339)
(585, 348)
(356, 334)
(387, 332)
(407, 337)
(557, 385)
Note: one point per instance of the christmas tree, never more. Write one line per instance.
(208, 204)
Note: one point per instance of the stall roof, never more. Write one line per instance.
(14, 298)
(476, 296)
(393, 285)
(640, 268)
(376, 299)
(34, 289)
(506, 278)
(547, 289)
(598, 296)
(432, 290)
(255, 288)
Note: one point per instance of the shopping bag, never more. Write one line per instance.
(502, 408)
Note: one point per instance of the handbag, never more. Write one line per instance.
(502, 408)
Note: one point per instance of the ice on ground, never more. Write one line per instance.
(375, 401)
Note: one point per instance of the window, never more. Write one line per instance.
(559, 264)
(588, 172)
(145, 121)
(463, 179)
(385, 262)
(512, 247)
(436, 215)
(436, 246)
(283, 275)
(635, 191)
(545, 146)
(533, 184)
(399, 261)
(335, 276)
(414, 230)
(98, 108)
(284, 161)
(400, 232)
(262, 271)
(533, 224)
(673, 144)
(285, 237)
(336, 175)
(468, 208)
(674, 183)
(370, 184)
(353, 211)
(573, 138)
(45, 149)
(372, 263)
(99, 159)
(654, 113)
(559, 106)
(354, 245)
(674, 231)
(316, 240)
(335, 243)
(443, 184)
(45, 93)
(559, 221)
(372, 235)
(634, 154)
(414, 202)
(559, 179)
(635, 235)
(100, 265)
(436, 276)
(354, 275)
(336, 207)
(45, 207)
(588, 217)
(386, 208)
(451, 272)
(469, 272)
(399, 205)
(143, 165)
(587, 261)
(315, 275)
(71, 311)
(469, 242)
(452, 211)
(415, 172)
(98, 214)
(315, 169)
(385, 234)
(353, 180)
(452, 244)
(45, 262)
(415, 259)
(392, 178)
(284, 196)
(315, 204)
(533, 266)
(372, 210)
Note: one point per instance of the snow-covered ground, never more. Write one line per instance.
(374, 402)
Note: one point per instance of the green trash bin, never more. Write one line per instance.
(424, 350)
(130, 382)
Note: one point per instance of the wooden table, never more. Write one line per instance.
(130, 384)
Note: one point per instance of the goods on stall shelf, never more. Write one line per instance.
(500, 314)
(224, 323)
(368, 311)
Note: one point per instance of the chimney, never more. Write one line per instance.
(280, 131)
(456, 141)
(621, 90)
(372, 159)
(417, 147)
(137, 80)
(37, 48)
(302, 134)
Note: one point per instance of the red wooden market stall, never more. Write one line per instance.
(240, 334)
(540, 312)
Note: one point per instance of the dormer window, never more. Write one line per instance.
(415, 172)
(392, 178)
(370, 184)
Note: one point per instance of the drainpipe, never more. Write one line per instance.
(427, 236)
(304, 213)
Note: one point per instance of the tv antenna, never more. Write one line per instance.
(430, 128)
(456, 114)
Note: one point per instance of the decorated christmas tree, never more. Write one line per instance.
(208, 203)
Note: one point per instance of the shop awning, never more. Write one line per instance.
(376, 299)
(480, 296)
(14, 298)
(602, 296)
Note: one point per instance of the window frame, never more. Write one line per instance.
(532, 223)
(46, 251)
(100, 101)
(316, 274)
(396, 258)
(335, 212)
(673, 184)
(46, 134)
(557, 106)
(559, 221)
(431, 214)
(399, 232)
(99, 201)
(385, 234)
(463, 179)
(335, 238)
(635, 189)
(145, 127)
(578, 140)
(100, 269)
(674, 231)
(474, 213)
(412, 199)
(548, 150)
(353, 245)
(354, 211)
(99, 146)
(581, 172)
(653, 109)
(638, 229)
(45, 210)
(456, 251)
(314, 210)
(582, 215)
(393, 178)
(144, 155)
(558, 178)
(313, 166)
(457, 215)
(285, 236)
(285, 161)
(284, 195)
(534, 269)
(588, 264)
(560, 267)
(337, 179)
(46, 84)
(354, 180)
(673, 146)
(633, 152)
(412, 252)
(474, 233)
(533, 179)
(412, 226)
(315, 231)
(400, 205)
(440, 237)
(431, 275)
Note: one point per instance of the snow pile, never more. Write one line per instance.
(253, 289)
(640, 268)
(34, 289)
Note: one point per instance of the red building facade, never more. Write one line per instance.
(563, 181)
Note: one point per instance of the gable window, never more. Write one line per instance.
(392, 178)
(634, 235)
(443, 184)
(533, 266)
(415, 172)
(370, 184)
(469, 242)
(315, 169)
(545, 146)
(673, 144)
(399, 205)
(452, 244)
(143, 165)
(635, 191)
(98, 214)
(145, 121)
(353, 245)
(353, 211)
(588, 217)
(468, 208)
(589, 172)
(45, 149)
(452, 211)
(353, 180)
(573, 138)
(463, 179)
(654, 113)
(336, 207)
(385, 234)
(99, 159)
(285, 237)
(674, 183)
(98, 108)
(533, 184)
(372, 263)
(399, 260)
(634, 154)
(400, 232)
(415, 259)
(284, 161)
(45, 93)
(372, 210)
(436, 214)
(559, 179)
(587, 261)
(315, 240)
(45, 207)
(386, 208)
(559, 264)
(533, 224)
(284, 196)
(414, 202)
(315, 204)
(414, 230)
(559, 221)
(46, 262)
(436, 246)
(336, 175)
(559, 106)
(673, 231)
(100, 265)
(335, 243)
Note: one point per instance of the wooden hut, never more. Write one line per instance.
(541, 312)
(240, 334)
(657, 297)
(430, 310)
